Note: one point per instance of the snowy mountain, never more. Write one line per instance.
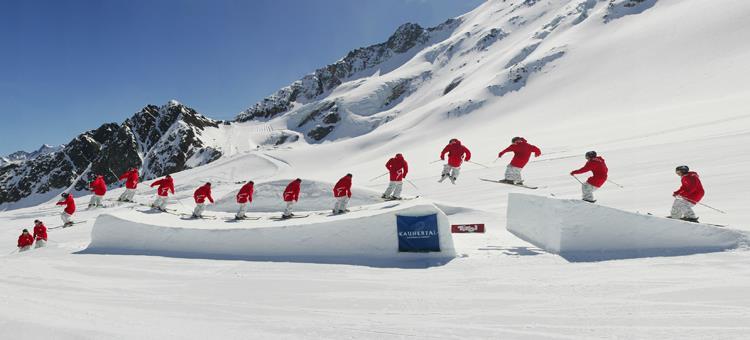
(158, 140)
(20, 156)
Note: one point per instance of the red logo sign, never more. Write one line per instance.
(467, 228)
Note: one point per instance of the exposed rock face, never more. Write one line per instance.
(157, 140)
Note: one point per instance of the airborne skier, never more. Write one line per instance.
(456, 153)
(244, 197)
(688, 195)
(70, 208)
(522, 151)
(598, 168)
(397, 168)
(342, 191)
(166, 185)
(99, 187)
(291, 195)
(200, 195)
(131, 183)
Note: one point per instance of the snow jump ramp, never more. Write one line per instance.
(580, 231)
(366, 237)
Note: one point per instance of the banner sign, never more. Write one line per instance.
(467, 228)
(418, 233)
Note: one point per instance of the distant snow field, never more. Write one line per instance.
(649, 85)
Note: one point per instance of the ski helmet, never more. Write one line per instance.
(515, 139)
(453, 140)
(682, 168)
(37, 221)
(26, 230)
(65, 194)
(591, 154)
(348, 175)
(208, 184)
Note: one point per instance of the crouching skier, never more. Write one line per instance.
(244, 197)
(165, 186)
(456, 153)
(25, 241)
(40, 234)
(342, 191)
(598, 168)
(522, 151)
(291, 195)
(688, 195)
(70, 208)
(200, 195)
(397, 168)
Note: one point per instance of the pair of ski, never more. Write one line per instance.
(501, 181)
(67, 225)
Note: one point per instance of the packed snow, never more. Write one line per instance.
(649, 85)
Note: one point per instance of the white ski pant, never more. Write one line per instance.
(513, 174)
(394, 189)
(160, 202)
(288, 210)
(682, 208)
(24, 248)
(341, 203)
(66, 218)
(96, 201)
(242, 211)
(127, 195)
(199, 209)
(450, 171)
(588, 191)
(40, 243)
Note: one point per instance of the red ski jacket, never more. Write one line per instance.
(25, 240)
(98, 186)
(398, 168)
(343, 187)
(521, 153)
(70, 205)
(291, 193)
(201, 194)
(40, 232)
(691, 189)
(166, 185)
(246, 193)
(456, 153)
(131, 178)
(599, 170)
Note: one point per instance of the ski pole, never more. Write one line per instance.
(379, 176)
(439, 160)
(412, 184)
(495, 160)
(478, 164)
(712, 208)
(615, 184)
(579, 181)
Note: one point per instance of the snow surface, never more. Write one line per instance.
(649, 91)
(580, 231)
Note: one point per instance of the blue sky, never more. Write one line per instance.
(69, 66)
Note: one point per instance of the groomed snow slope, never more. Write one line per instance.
(366, 236)
(580, 231)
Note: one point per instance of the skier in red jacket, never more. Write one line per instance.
(598, 168)
(131, 183)
(291, 195)
(688, 195)
(70, 208)
(25, 241)
(99, 187)
(200, 195)
(244, 197)
(522, 151)
(165, 186)
(398, 168)
(456, 153)
(342, 191)
(40, 234)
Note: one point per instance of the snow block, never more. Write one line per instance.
(581, 231)
(367, 237)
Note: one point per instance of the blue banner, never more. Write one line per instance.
(418, 233)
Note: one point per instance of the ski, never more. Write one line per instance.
(684, 220)
(506, 183)
(191, 217)
(234, 219)
(399, 199)
(67, 225)
(281, 218)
